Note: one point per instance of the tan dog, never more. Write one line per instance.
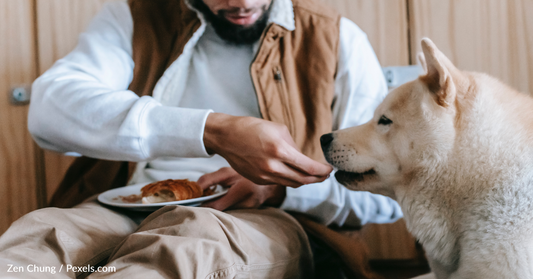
(455, 149)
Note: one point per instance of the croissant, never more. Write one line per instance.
(170, 190)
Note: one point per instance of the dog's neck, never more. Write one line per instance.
(426, 216)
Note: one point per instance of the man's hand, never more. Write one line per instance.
(262, 151)
(242, 192)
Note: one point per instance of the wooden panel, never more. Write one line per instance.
(390, 241)
(385, 23)
(56, 166)
(59, 23)
(17, 67)
(489, 36)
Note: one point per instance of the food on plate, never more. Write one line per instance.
(172, 190)
(129, 199)
(210, 191)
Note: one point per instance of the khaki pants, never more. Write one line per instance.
(173, 242)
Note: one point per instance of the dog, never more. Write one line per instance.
(455, 150)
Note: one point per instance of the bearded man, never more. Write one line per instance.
(230, 92)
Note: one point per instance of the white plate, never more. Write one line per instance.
(111, 197)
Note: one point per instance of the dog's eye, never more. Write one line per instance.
(384, 121)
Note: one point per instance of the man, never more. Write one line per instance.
(201, 75)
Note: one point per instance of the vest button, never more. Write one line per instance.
(277, 75)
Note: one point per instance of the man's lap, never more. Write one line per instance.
(180, 242)
(259, 243)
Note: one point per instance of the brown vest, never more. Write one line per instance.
(293, 75)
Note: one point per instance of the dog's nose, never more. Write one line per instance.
(325, 140)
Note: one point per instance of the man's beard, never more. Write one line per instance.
(230, 32)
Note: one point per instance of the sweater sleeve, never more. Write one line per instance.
(359, 89)
(81, 104)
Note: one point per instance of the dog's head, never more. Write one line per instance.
(412, 129)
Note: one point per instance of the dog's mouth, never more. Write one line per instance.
(350, 177)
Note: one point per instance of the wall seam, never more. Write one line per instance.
(40, 173)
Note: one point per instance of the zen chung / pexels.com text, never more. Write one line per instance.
(33, 268)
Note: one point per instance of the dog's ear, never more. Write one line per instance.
(422, 61)
(440, 73)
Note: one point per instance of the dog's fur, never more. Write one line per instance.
(457, 155)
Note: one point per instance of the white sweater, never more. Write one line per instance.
(82, 105)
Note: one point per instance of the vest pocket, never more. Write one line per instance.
(284, 98)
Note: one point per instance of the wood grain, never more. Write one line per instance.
(59, 23)
(17, 67)
(491, 36)
(384, 22)
(390, 241)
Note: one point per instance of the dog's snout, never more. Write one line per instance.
(325, 140)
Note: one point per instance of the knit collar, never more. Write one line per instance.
(282, 14)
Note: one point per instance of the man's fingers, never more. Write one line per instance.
(245, 204)
(297, 179)
(303, 163)
(228, 200)
(307, 165)
(223, 176)
(283, 174)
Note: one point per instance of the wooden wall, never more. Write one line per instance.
(34, 34)
(492, 36)
(18, 183)
(386, 24)
(59, 23)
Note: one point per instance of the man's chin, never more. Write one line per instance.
(233, 27)
(244, 21)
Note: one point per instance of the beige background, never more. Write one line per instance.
(491, 36)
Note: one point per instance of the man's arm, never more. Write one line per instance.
(82, 105)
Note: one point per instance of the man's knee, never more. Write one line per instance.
(204, 240)
(184, 221)
(43, 215)
(71, 225)
(268, 233)
(40, 218)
